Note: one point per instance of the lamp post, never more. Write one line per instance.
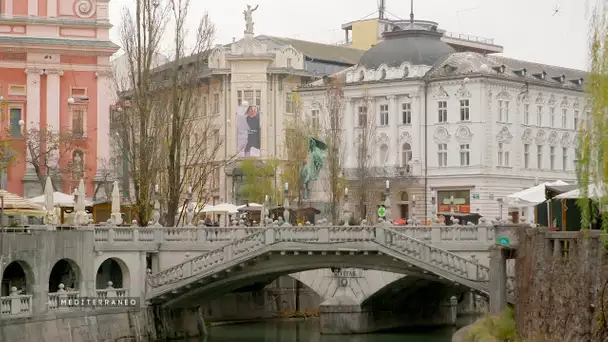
(500, 204)
(286, 204)
(346, 213)
(387, 201)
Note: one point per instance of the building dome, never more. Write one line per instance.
(416, 45)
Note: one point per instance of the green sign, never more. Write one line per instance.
(503, 241)
(475, 195)
(382, 211)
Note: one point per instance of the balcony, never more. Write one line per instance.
(380, 172)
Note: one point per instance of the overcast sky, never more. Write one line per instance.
(547, 31)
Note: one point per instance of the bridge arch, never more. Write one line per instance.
(115, 270)
(67, 272)
(17, 274)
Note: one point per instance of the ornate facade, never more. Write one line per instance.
(55, 75)
(457, 130)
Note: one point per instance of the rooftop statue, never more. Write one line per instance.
(249, 18)
(310, 172)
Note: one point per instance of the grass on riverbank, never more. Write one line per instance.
(494, 329)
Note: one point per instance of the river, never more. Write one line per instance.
(308, 331)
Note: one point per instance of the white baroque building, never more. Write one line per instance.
(457, 130)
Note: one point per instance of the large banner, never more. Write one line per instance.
(248, 131)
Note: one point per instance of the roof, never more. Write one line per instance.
(464, 63)
(326, 52)
(417, 46)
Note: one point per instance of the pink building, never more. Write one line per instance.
(55, 73)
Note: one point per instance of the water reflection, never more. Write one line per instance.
(308, 331)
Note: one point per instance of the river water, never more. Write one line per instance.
(308, 331)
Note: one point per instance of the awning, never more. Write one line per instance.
(60, 199)
(531, 196)
(593, 191)
(12, 201)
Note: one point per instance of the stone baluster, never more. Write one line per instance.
(135, 235)
(473, 268)
(435, 230)
(111, 235)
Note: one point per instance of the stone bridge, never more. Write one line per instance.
(43, 263)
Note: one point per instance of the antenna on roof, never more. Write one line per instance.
(381, 8)
(412, 12)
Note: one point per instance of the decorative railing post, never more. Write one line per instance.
(435, 230)
(286, 214)
(156, 210)
(111, 235)
(482, 231)
(15, 301)
(135, 234)
(190, 210)
(265, 211)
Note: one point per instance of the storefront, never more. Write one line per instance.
(459, 200)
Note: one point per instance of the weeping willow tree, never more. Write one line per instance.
(592, 166)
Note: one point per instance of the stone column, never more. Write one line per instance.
(32, 8)
(32, 118)
(394, 148)
(53, 103)
(104, 97)
(8, 9)
(141, 289)
(51, 9)
(498, 280)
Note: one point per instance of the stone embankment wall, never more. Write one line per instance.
(561, 277)
(107, 325)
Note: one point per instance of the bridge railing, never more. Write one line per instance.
(484, 233)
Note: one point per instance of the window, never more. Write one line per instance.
(15, 119)
(258, 98)
(552, 117)
(564, 118)
(362, 116)
(564, 159)
(406, 113)
(503, 155)
(239, 97)
(442, 155)
(289, 62)
(503, 111)
(314, 119)
(526, 114)
(289, 103)
(77, 164)
(216, 103)
(215, 181)
(383, 115)
(17, 90)
(406, 155)
(526, 156)
(383, 154)
(539, 157)
(552, 158)
(464, 155)
(576, 116)
(442, 111)
(204, 105)
(78, 116)
(464, 110)
(216, 137)
(248, 96)
(539, 115)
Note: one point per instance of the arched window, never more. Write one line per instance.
(77, 164)
(405, 196)
(406, 155)
(383, 154)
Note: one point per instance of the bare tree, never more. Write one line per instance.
(365, 142)
(333, 138)
(169, 137)
(48, 149)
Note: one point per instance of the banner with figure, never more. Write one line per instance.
(248, 131)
